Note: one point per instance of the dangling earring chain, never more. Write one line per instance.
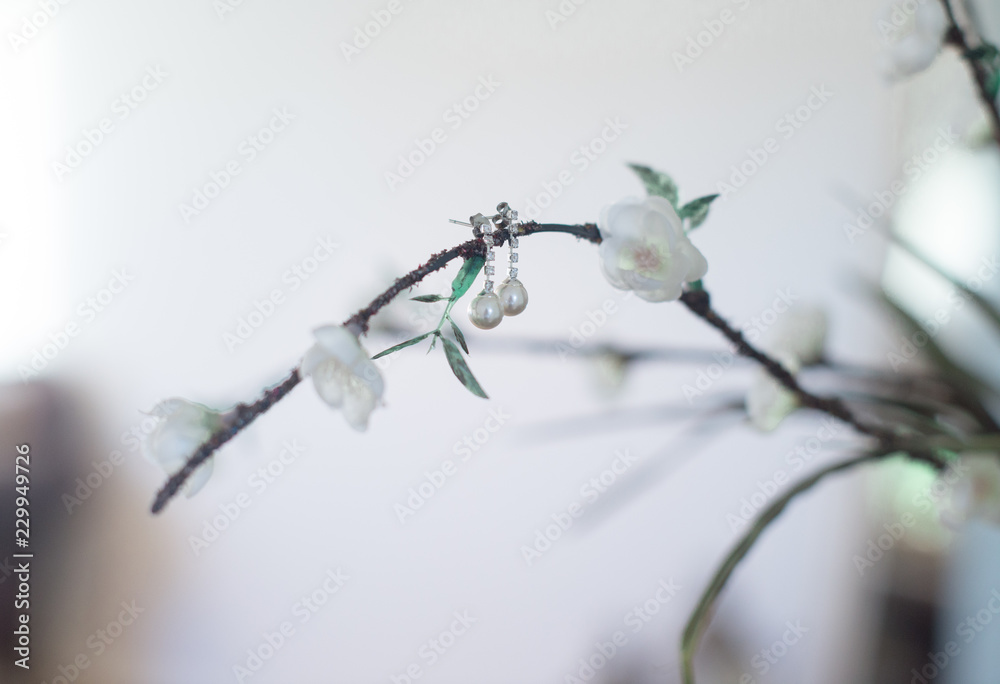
(485, 309)
(513, 294)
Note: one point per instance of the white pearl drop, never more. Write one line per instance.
(513, 296)
(485, 310)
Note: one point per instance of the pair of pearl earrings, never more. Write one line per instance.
(488, 308)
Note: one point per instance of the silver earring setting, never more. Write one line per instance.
(488, 308)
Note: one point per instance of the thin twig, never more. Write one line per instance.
(699, 302)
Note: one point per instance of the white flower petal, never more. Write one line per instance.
(339, 342)
(199, 478)
(359, 402)
(801, 333)
(343, 375)
(768, 401)
(329, 378)
(366, 371)
(183, 427)
(644, 249)
(931, 20)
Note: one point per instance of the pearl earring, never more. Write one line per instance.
(513, 295)
(485, 309)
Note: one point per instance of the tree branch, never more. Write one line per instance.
(247, 413)
(699, 302)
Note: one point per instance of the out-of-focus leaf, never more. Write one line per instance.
(697, 210)
(461, 369)
(402, 345)
(657, 183)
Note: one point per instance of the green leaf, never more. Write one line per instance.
(461, 369)
(463, 281)
(401, 345)
(657, 184)
(697, 210)
(458, 335)
(985, 51)
(428, 298)
(702, 614)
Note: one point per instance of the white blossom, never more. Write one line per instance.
(797, 340)
(644, 248)
(344, 376)
(768, 401)
(914, 32)
(183, 427)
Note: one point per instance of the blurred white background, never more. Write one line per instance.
(223, 72)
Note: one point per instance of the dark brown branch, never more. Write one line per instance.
(247, 413)
(699, 302)
(957, 36)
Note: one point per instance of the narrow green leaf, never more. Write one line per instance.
(458, 335)
(428, 298)
(463, 281)
(461, 369)
(401, 345)
(436, 334)
(697, 210)
(657, 183)
(702, 614)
